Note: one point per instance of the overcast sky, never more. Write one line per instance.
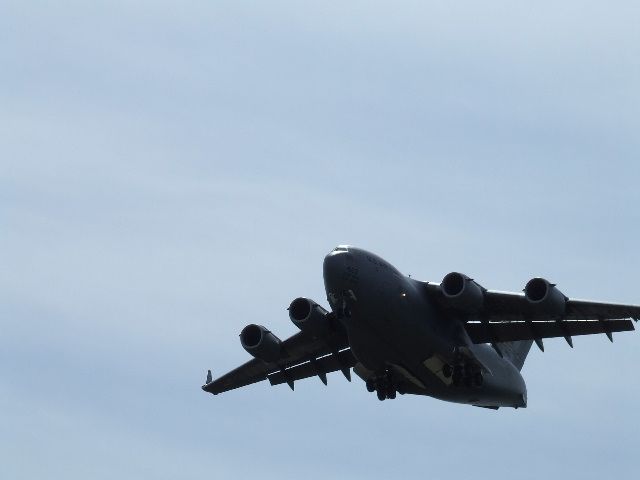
(170, 172)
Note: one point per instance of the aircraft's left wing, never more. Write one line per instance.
(508, 316)
(510, 306)
(498, 332)
(303, 356)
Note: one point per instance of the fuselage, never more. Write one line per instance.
(391, 323)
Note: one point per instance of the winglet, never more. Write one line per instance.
(209, 376)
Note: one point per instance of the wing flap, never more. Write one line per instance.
(520, 330)
(321, 366)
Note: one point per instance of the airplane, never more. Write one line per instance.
(455, 341)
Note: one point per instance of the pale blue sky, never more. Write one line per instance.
(170, 172)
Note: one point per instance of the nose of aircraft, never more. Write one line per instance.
(334, 268)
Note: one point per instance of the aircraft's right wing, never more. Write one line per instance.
(343, 361)
(319, 355)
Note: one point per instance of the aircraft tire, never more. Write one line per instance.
(381, 395)
(371, 387)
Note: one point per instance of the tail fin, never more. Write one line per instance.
(516, 352)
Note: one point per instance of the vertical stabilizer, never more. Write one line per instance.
(516, 352)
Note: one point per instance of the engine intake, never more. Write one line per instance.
(261, 343)
(309, 317)
(544, 297)
(462, 292)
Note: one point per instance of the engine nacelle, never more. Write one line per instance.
(261, 343)
(544, 297)
(309, 317)
(462, 293)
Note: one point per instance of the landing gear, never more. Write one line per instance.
(383, 385)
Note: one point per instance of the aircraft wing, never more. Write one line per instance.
(509, 306)
(508, 316)
(303, 356)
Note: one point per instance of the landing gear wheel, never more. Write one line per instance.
(381, 395)
(391, 394)
(371, 387)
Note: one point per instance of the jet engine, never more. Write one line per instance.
(261, 343)
(544, 297)
(309, 317)
(462, 293)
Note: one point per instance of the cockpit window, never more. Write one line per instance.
(341, 248)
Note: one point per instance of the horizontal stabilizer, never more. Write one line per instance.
(521, 330)
(343, 361)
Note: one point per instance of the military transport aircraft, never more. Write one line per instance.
(455, 341)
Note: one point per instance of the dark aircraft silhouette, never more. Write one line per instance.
(455, 341)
